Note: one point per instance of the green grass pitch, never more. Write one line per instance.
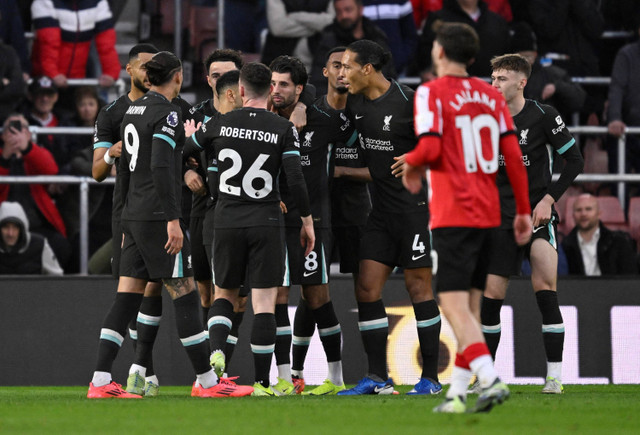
(583, 409)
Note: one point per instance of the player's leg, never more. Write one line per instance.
(263, 337)
(544, 266)
(124, 307)
(319, 301)
(238, 316)
(458, 249)
(304, 326)
(200, 263)
(505, 259)
(141, 373)
(219, 324)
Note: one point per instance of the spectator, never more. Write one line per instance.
(569, 27)
(624, 102)
(244, 22)
(395, 18)
(11, 84)
(548, 84)
(592, 249)
(64, 31)
(41, 112)
(12, 33)
(422, 9)
(88, 104)
(349, 25)
(21, 156)
(491, 28)
(294, 28)
(22, 252)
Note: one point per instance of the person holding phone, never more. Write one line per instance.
(22, 156)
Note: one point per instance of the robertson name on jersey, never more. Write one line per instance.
(250, 145)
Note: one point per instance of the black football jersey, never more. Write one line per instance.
(201, 112)
(107, 133)
(249, 146)
(324, 129)
(153, 137)
(542, 135)
(350, 200)
(385, 130)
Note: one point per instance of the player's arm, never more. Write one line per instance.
(105, 147)
(164, 181)
(517, 174)
(355, 174)
(298, 187)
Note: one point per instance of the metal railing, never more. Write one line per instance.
(84, 183)
(621, 178)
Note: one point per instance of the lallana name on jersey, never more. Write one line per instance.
(465, 96)
(245, 133)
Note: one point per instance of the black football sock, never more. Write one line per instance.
(552, 324)
(263, 341)
(303, 327)
(329, 331)
(232, 338)
(429, 324)
(220, 323)
(190, 332)
(374, 329)
(283, 334)
(490, 320)
(147, 326)
(114, 327)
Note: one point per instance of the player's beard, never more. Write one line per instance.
(342, 89)
(348, 25)
(140, 85)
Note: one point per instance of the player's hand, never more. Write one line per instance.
(542, 212)
(307, 235)
(522, 229)
(283, 208)
(616, 128)
(397, 168)
(194, 182)
(191, 127)
(174, 233)
(115, 150)
(412, 177)
(192, 163)
(299, 116)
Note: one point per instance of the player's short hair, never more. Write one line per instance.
(223, 55)
(142, 48)
(226, 80)
(358, 2)
(370, 52)
(512, 62)
(293, 66)
(459, 41)
(338, 49)
(161, 67)
(256, 77)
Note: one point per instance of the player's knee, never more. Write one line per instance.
(316, 296)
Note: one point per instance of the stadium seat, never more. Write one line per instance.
(203, 28)
(564, 207)
(611, 213)
(634, 218)
(168, 15)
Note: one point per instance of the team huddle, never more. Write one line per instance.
(373, 170)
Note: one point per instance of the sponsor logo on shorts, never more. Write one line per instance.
(417, 257)
(306, 274)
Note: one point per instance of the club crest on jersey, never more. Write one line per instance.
(307, 138)
(523, 136)
(172, 119)
(387, 121)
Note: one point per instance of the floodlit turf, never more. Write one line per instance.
(583, 409)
